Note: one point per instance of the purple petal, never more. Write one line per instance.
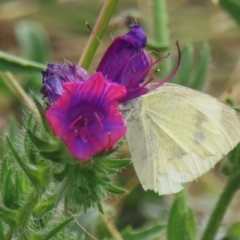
(125, 61)
(56, 75)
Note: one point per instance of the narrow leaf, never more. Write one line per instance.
(118, 163)
(201, 72)
(1, 230)
(232, 7)
(100, 208)
(184, 72)
(114, 189)
(33, 40)
(44, 207)
(31, 171)
(55, 155)
(12, 63)
(38, 142)
(58, 228)
(154, 232)
(181, 223)
(10, 217)
(8, 191)
(4, 169)
(42, 113)
(233, 232)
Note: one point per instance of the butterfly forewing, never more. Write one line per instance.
(176, 134)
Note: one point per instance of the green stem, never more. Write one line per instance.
(160, 17)
(97, 33)
(18, 91)
(224, 200)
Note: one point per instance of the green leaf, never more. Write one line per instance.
(39, 142)
(9, 191)
(10, 217)
(184, 72)
(38, 176)
(201, 72)
(100, 208)
(4, 169)
(233, 232)
(44, 207)
(181, 223)
(114, 189)
(229, 101)
(232, 7)
(29, 147)
(1, 230)
(234, 157)
(42, 113)
(55, 155)
(237, 109)
(33, 40)
(118, 163)
(58, 228)
(153, 232)
(12, 63)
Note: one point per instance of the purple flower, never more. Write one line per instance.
(56, 75)
(125, 62)
(86, 116)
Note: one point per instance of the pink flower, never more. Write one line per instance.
(86, 116)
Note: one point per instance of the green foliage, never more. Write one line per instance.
(233, 232)
(58, 228)
(35, 46)
(33, 41)
(232, 162)
(186, 76)
(85, 184)
(30, 194)
(232, 7)
(201, 71)
(181, 223)
(153, 232)
(12, 63)
(185, 70)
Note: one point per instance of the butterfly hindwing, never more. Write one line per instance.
(176, 134)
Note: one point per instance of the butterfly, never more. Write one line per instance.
(175, 134)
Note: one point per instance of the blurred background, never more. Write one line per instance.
(55, 31)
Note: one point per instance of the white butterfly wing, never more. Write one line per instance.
(176, 134)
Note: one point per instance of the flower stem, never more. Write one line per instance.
(111, 227)
(18, 91)
(97, 33)
(160, 17)
(220, 208)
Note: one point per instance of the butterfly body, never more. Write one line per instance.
(176, 134)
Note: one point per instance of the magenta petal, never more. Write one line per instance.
(87, 117)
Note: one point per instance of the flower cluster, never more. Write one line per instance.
(84, 110)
